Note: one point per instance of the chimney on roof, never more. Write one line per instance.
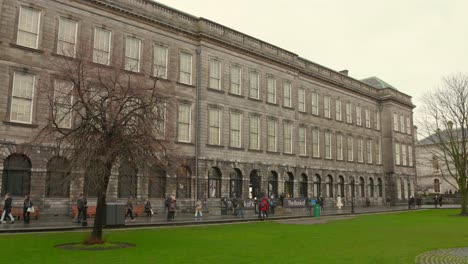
(344, 72)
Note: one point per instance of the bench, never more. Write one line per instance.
(90, 212)
(17, 212)
(139, 210)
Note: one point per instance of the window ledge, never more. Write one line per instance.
(304, 156)
(289, 154)
(255, 99)
(214, 146)
(236, 95)
(13, 123)
(288, 107)
(184, 143)
(133, 72)
(271, 103)
(215, 90)
(256, 150)
(236, 148)
(186, 85)
(272, 152)
(14, 45)
(160, 79)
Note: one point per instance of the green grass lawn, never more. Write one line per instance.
(387, 238)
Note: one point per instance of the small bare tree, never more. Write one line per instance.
(102, 116)
(445, 124)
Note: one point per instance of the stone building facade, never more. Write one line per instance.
(251, 118)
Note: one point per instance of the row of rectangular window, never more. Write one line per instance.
(399, 124)
(235, 138)
(403, 155)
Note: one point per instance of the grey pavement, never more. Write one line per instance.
(51, 223)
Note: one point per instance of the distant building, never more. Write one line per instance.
(266, 120)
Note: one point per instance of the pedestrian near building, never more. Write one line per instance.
(320, 202)
(339, 204)
(148, 208)
(264, 208)
(27, 209)
(129, 206)
(240, 212)
(272, 204)
(7, 209)
(81, 205)
(440, 200)
(172, 209)
(198, 209)
(418, 201)
(255, 206)
(436, 201)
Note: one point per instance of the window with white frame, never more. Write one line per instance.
(271, 90)
(22, 97)
(302, 141)
(358, 116)
(132, 54)
(350, 148)
(66, 40)
(377, 120)
(403, 154)
(287, 144)
(410, 156)
(378, 152)
(254, 132)
(287, 94)
(326, 107)
(215, 75)
(236, 80)
(271, 133)
(301, 100)
(185, 68)
(369, 151)
(214, 126)
(316, 143)
(328, 146)
(367, 117)
(184, 123)
(160, 113)
(160, 58)
(339, 147)
(102, 46)
(408, 125)
(397, 153)
(338, 113)
(254, 85)
(28, 27)
(235, 130)
(63, 100)
(314, 99)
(349, 116)
(360, 150)
(402, 124)
(395, 122)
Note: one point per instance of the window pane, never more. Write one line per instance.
(160, 61)
(301, 100)
(185, 74)
(271, 90)
(101, 50)
(235, 80)
(132, 54)
(28, 27)
(66, 37)
(287, 94)
(215, 75)
(254, 83)
(184, 123)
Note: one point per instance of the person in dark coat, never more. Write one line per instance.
(81, 205)
(148, 210)
(27, 204)
(419, 201)
(129, 206)
(440, 200)
(255, 206)
(436, 201)
(7, 209)
(172, 209)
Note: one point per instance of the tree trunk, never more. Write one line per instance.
(464, 202)
(96, 235)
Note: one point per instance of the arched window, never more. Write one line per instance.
(303, 187)
(341, 187)
(362, 187)
(58, 177)
(214, 183)
(330, 186)
(371, 187)
(352, 186)
(16, 177)
(380, 187)
(436, 185)
(318, 185)
(157, 183)
(254, 186)
(289, 185)
(236, 183)
(127, 180)
(273, 184)
(183, 182)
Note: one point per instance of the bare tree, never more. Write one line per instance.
(104, 116)
(445, 124)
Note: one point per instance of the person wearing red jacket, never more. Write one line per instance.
(264, 208)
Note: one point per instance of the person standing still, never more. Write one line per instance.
(81, 206)
(440, 200)
(7, 209)
(129, 206)
(436, 200)
(27, 204)
(198, 209)
(172, 209)
(240, 212)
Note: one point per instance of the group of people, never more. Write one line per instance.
(8, 205)
(438, 200)
(413, 202)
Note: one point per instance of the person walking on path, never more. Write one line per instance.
(320, 202)
(27, 209)
(339, 204)
(440, 200)
(436, 200)
(418, 201)
(272, 204)
(198, 209)
(240, 212)
(172, 209)
(255, 206)
(7, 209)
(81, 205)
(264, 208)
(129, 206)
(148, 209)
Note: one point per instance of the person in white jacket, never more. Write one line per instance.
(339, 204)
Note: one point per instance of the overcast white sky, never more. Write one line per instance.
(410, 44)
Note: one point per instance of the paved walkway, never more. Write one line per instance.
(439, 256)
(51, 223)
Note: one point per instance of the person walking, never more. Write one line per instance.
(440, 200)
(418, 201)
(148, 208)
(7, 209)
(255, 202)
(198, 209)
(436, 201)
(320, 202)
(240, 212)
(339, 204)
(129, 206)
(172, 209)
(81, 205)
(27, 209)
(272, 204)
(264, 208)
